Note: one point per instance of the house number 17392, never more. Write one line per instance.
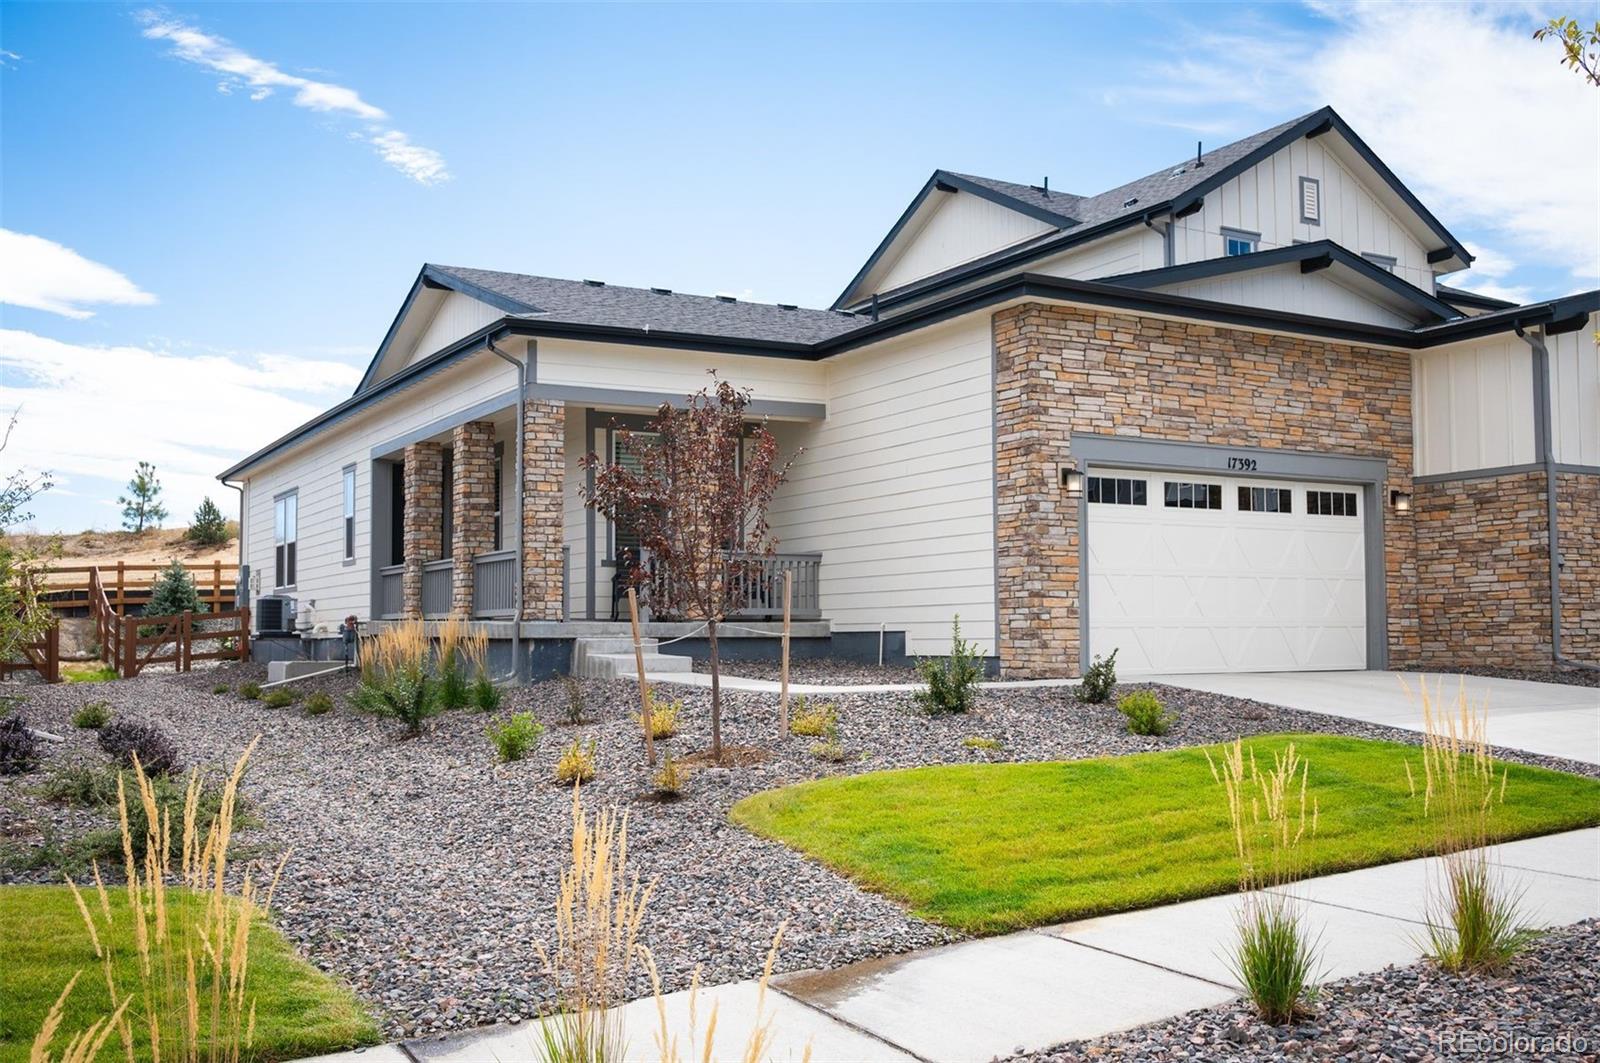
(1244, 464)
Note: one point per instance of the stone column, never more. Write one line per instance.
(424, 518)
(473, 502)
(544, 466)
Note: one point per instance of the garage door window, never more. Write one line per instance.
(1181, 495)
(1115, 491)
(1331, 503)
(1266, 500)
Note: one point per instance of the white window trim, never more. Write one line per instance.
(1388, 262)
(347, 522)
(1243, 235)
(1313, 183)
(291, 495)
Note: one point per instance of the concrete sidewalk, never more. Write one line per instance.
(769, 686)
(1551, 719)
(991, 997)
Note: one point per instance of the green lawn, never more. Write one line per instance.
(993, 847)
(299, 1010)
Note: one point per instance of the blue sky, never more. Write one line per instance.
(229, 201)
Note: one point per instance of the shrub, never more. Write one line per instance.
(812, 721)
(1275, 956)
(515, 737)
(19, 747)
(663, 716)
(410, 699)
(577, 763)
(576, 708)
(319, 703)
(1474, 919)
(209, 527)
(86, 787)
(220, 688)
(952, 682)
(1145, 714)
(830, 748)
(671, 779)
(982, 744)
(173, 592)
(278, 699)
(92, 716)
(485, 695)
(250, 690)
(125, 739)
(454, 690)
(1099, 679)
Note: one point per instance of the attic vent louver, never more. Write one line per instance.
(788, 306)
(1179, 172)
(1130, 201)
(594, 284)
(726, 299)
(662, 291)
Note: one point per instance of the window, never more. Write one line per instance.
(1310, 201)
(285, 530)
(499, 487)
(447, 507)
(350, 513)
(1266, 500)
(1239, 242)
(1112, 491)
(1387, 262)
(1331, 503)
(625, 450)
(1180, 495)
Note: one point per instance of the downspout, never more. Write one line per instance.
(518, 664)
(1546, 456)
(241, 593)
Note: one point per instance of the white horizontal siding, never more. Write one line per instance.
(1472, 405)
(457, 316)
(1575, 395)
(1265, 199)
(1286, 288)
(314, 470)
(896, 488)
(1128, 252)
(958, 228)
(618, 367)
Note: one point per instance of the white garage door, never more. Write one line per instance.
(1197, 573)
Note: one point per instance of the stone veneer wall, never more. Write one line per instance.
(1578, 518)
(423, 525)
(1060, 370)
(472, 505)
(544, 469)
(1483, 571)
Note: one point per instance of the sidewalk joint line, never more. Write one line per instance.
(847, 1023)
(1235, 990)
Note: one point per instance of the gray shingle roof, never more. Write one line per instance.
(610, 306)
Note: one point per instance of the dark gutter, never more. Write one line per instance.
(1462, 297)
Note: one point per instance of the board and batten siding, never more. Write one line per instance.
(1472, 405)
(896, 488)
(455, 317)
(959, 228)
(1129, 252)
(1575, 395)
(1286, 288)
(315, 470)
(1265, 199)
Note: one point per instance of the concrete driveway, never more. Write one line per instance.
(1546, 718)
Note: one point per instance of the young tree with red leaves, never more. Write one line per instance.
(697, 497)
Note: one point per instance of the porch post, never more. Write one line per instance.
(472, 490)
(544, 467)
(424, 519)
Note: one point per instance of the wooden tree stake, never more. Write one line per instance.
(783, 675)
(644, 688)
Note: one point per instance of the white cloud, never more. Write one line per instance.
(43, 275)
(9, 58)
(241, 70)
(190, 416)
(1481, 121)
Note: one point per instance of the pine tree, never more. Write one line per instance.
(208, 527)
(174, 592)
(141, 506)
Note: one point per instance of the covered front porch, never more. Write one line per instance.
(445, 510)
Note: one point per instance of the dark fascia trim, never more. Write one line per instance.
(945, 181)
(1317, 122)
(1312, 256)
(436, 279)
(1462, 297)
(1559, 311)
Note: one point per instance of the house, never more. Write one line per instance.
(1223, 417)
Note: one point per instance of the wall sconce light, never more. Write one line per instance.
(1072, 478)
(1401, 501)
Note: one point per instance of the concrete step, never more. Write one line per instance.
(584, 648)
(621, 665)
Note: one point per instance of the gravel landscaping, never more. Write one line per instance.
(424, 873)
(818, 670)
(1572, 677)
(1547, 1007)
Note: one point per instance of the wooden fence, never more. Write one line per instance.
(147, 640)
(72, 586)
(42, 656)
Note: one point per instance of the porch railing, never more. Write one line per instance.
(436, 580)
(494, 584)
(391, 592)
(763, 586)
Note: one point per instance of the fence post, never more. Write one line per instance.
(52, 653)
(121, 572)
(185, 647)
(130, 646)
(216, 585)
